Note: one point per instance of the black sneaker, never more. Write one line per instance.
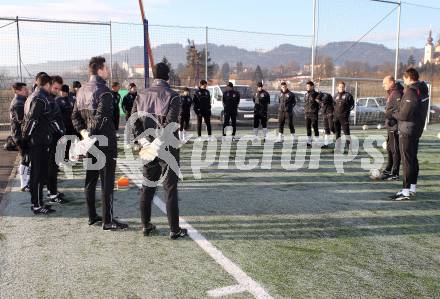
(95, 220)
(42, 210)
(309, 145)
(147, 230)
(114, 225)
(399, 194)
(57, 199)
(393, 177)
(183, 232)
(25, 189)
(59, 194)
(401, 197)
(385, 175)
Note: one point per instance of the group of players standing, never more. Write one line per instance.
(39, 120)
(335, 111)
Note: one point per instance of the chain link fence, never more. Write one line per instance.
(193, 53)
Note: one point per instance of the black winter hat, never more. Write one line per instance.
(65, 88)
(162, 71)
(259, 84)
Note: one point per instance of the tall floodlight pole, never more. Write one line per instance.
(313, 41)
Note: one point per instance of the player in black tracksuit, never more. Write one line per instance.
(116, 100)
(327, 110)
(38, 132)
(52, 179)
(93, 115)
(185, 113)
(128, 100)
(231, 100)
(164, 104)
(411, 117)
(394, 91)
(202, 108)
(65, 103)
(16, 112)
(287, 101)
(344, 103)
(311, 110)
(261, 100)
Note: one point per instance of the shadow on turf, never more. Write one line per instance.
(259, 229)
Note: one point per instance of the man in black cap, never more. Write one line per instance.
(38, 133)
(163, 104)
(327, 109)
(411, 118)
(92, 115)
(16, 112)
(202, 108)
(261, 100)
(231, 100)
(185, 113)
(311, 110)
(394, 92)
(128, 100)
(116, 100)
(66, 103)
(344, 103)
(287, 101)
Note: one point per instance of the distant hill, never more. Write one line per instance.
(374, 54)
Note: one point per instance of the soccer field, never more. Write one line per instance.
(257, 233)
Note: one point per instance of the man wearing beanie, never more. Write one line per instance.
(261, 100)
(185, 113)
(163, 105)
(202, 107)
(66, 102)
(116, 100)
(128, 100)
(231, 99)
(16, 112)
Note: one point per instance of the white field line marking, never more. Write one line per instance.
(246, 282)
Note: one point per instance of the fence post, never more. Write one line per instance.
(146, 61)
(428, 116)
(111, 53)
(19, 51)
(206, 54)
(333, 86)
(355, 102)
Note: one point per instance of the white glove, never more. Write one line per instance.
(143, 142)
(150, 151)
(84, 134)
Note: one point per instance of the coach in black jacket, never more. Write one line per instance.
(344, 103)
(311, 110)
(394, 92)
(116, 100)
(164, 105)
(411, 117)
(231, 100)
(327, 110)
(202, 108)
(287, 101)
(93, 115)
(261, 102)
